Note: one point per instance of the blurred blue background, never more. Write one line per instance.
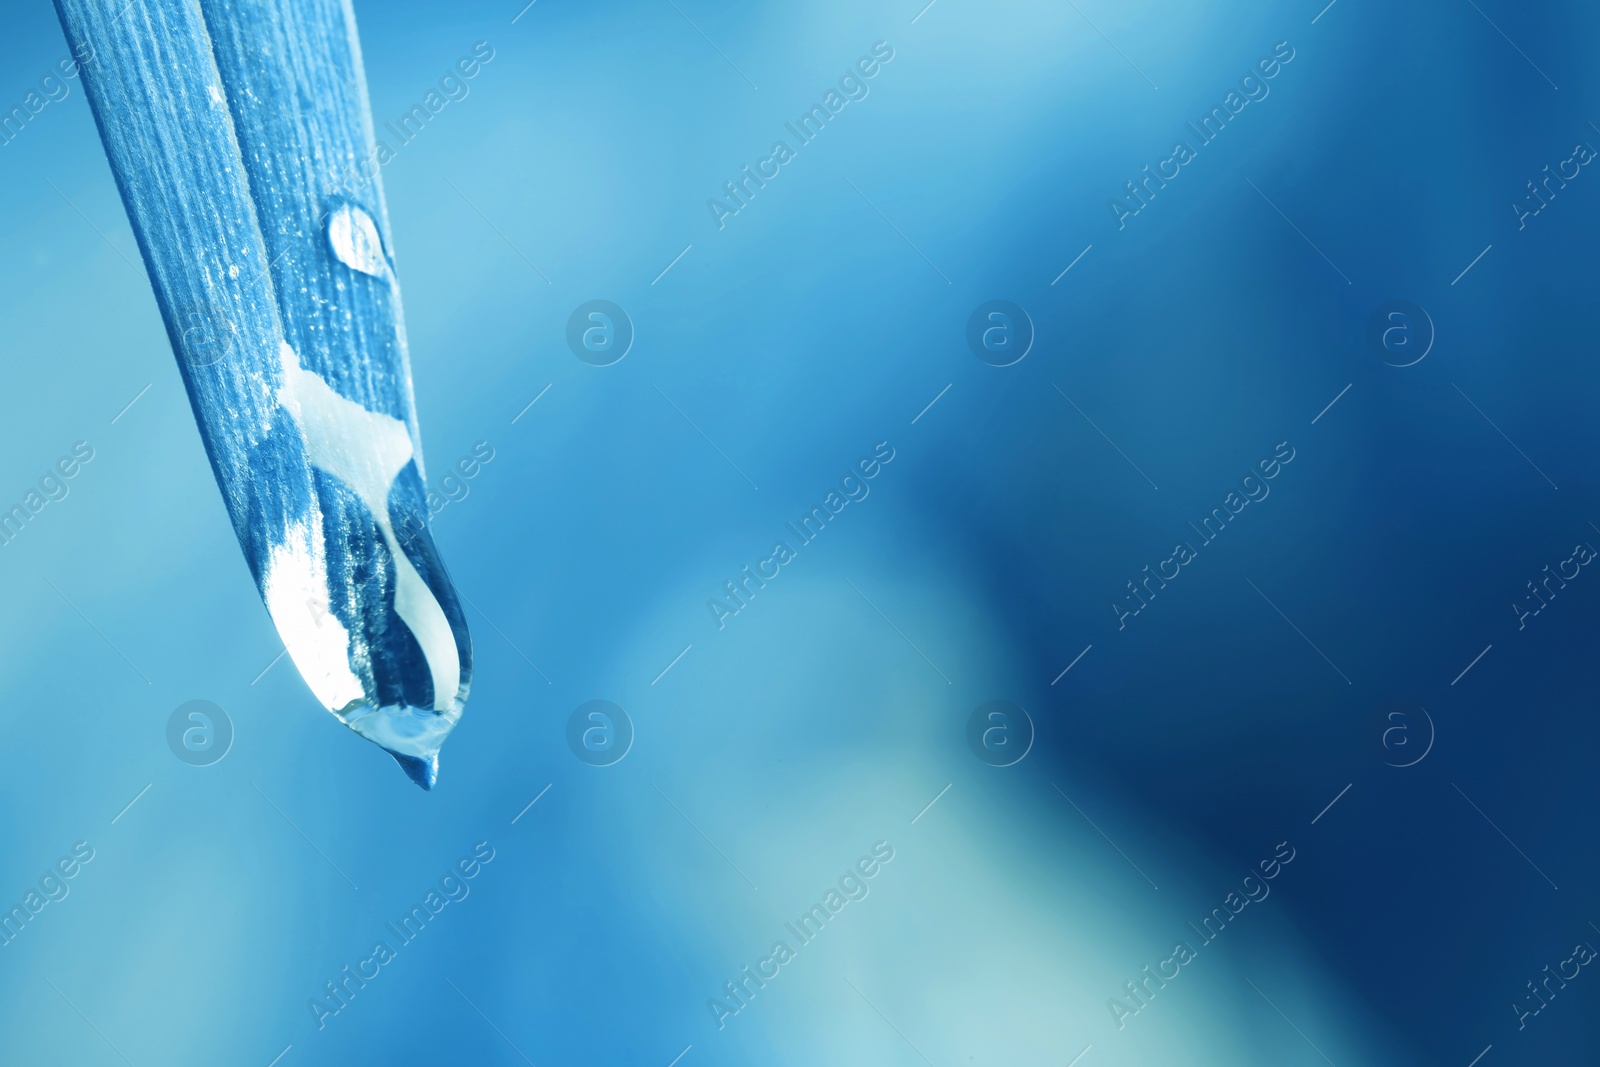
(1174, 755)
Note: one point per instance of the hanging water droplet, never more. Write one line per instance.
(353, 236)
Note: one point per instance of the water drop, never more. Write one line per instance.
(353, 236)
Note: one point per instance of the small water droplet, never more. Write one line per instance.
(353, 236)
(233, 270)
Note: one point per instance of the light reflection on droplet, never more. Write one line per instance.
(353, 236)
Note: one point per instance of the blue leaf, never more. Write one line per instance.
(241, 141)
